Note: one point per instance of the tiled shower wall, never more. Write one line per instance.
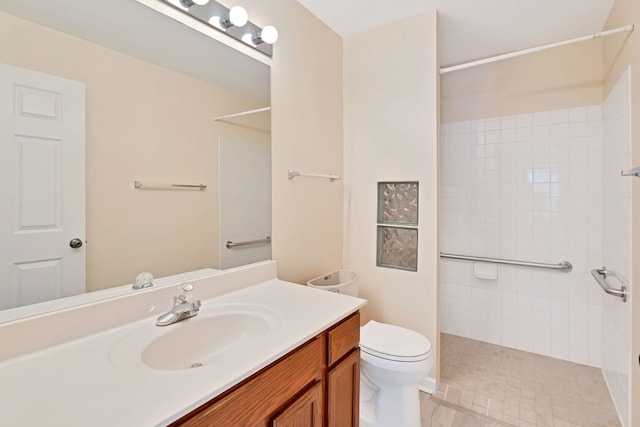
(245, 200)
(616, 315)
(525, 187)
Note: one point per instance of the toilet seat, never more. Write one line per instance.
(394, 343)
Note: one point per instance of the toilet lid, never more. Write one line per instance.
(393, 342)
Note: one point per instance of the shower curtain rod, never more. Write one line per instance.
(242, 113)
(626, 29)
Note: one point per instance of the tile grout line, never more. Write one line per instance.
(471, 413)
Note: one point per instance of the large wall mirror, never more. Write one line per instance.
(152, 89)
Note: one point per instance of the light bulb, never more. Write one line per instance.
(238, 16)
(268, 35)
(248, 39)
(215, 21)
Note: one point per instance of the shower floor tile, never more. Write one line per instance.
(520, 388)
(437, 413)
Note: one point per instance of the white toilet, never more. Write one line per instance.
(393, 362)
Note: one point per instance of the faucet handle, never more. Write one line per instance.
(184, 294)
(143, 280)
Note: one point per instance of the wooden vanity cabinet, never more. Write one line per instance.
(315, 385)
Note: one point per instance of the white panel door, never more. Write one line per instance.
(245, 200)
(42, 155)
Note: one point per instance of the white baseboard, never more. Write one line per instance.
(428, 385)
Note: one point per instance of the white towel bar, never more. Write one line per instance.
(292, 174)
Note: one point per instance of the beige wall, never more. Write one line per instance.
(144, 122)
(565, 77)
(391, 134)
(620, 52)
(306, 99)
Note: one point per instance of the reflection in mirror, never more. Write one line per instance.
(140, 92)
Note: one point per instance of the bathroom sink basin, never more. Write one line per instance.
(201, 341)
(218, 334)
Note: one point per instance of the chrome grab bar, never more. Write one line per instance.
(158, 186)
(564, 266)
(231, 245)
(630, 172)
(601, 277)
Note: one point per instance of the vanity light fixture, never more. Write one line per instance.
(234, 22)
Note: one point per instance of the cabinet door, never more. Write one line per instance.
(306, 411)
(343, 392)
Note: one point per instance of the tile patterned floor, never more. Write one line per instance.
(438, 413)
(520, 388)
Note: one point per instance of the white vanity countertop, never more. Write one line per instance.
(88, 381)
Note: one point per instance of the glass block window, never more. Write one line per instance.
(398, 225)
(398, 203)
(398, 248)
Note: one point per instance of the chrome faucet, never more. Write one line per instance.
(183, 307)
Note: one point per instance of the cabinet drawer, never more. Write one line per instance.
(343, 338)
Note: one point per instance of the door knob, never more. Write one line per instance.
(75, 243)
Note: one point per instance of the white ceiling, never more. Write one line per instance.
(469, 29)
(472, 29)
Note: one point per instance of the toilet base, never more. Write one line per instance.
(389, 393)
(395, 406)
